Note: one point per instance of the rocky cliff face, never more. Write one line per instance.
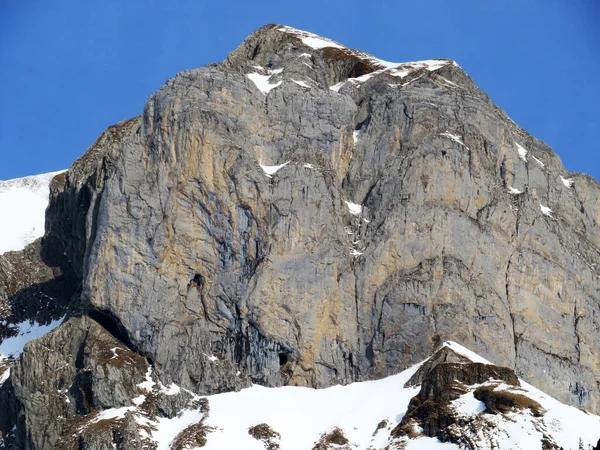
(307, 214)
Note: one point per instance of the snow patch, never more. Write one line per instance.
(303, 84)
(272, 170)
(338, 86)
(310, 39)
(541, 164)
(455, 137)
(148, 383)
(522, 152)
(468, 405)
(568, 182)
(5, 375)
(172, 389)
(113, 413)
(457, 348)
(353, 208)
(139, 400)
(546, 211)
(355, 252)
(513, 191)
(262, 81)
(448, 82)
(355, 136)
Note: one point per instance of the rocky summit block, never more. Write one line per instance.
(303, 213)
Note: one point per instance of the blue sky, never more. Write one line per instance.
(68, 68)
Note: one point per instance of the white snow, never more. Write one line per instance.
(355, 252)
(262, 81)
(467, 405)
(148, 383)
(455, 137)
(355, 136)
(113, 413)
(172, 389)
(513, 191)
(301, 415)
(13, 346)
(522, 152)
(546, 211)
(272, 170)
(465, 352)
(211, 358)
(312, 40)
(338, 86)
(427, 443)
(5, 375)
(449, 82)
(318, 43)
(168, 429)
(403, 69)
(568, 182)
(567, 423)
(354, 208)
(139, 400)
(309, 166)
(303, 84)
(541, 164)
(23, 203)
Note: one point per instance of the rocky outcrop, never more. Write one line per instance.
(443, 408)
(306, 214)
(30, 290)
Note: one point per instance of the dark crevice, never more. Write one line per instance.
(113, 325)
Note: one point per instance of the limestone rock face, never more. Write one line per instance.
(408, 210)
(197, 252)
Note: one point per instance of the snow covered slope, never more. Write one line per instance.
(364, 415)
(23, 202)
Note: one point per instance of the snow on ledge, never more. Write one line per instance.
(148, 383)
(354, 209)
(546, 211)
(513, 191)
(522, 152)
(5, 375)
(300, 83)
(113, 413)
(312, 40)
(272, 170)
(262, 81)
(538, 161)
(455, 137)
(568, 182)
(457, 348)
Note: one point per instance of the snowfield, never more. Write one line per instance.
(23, 203)
(366, 413)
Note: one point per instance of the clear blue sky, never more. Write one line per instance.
(69, 68)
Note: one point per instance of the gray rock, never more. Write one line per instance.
(188, 253)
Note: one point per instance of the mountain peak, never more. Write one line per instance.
(279, 45)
